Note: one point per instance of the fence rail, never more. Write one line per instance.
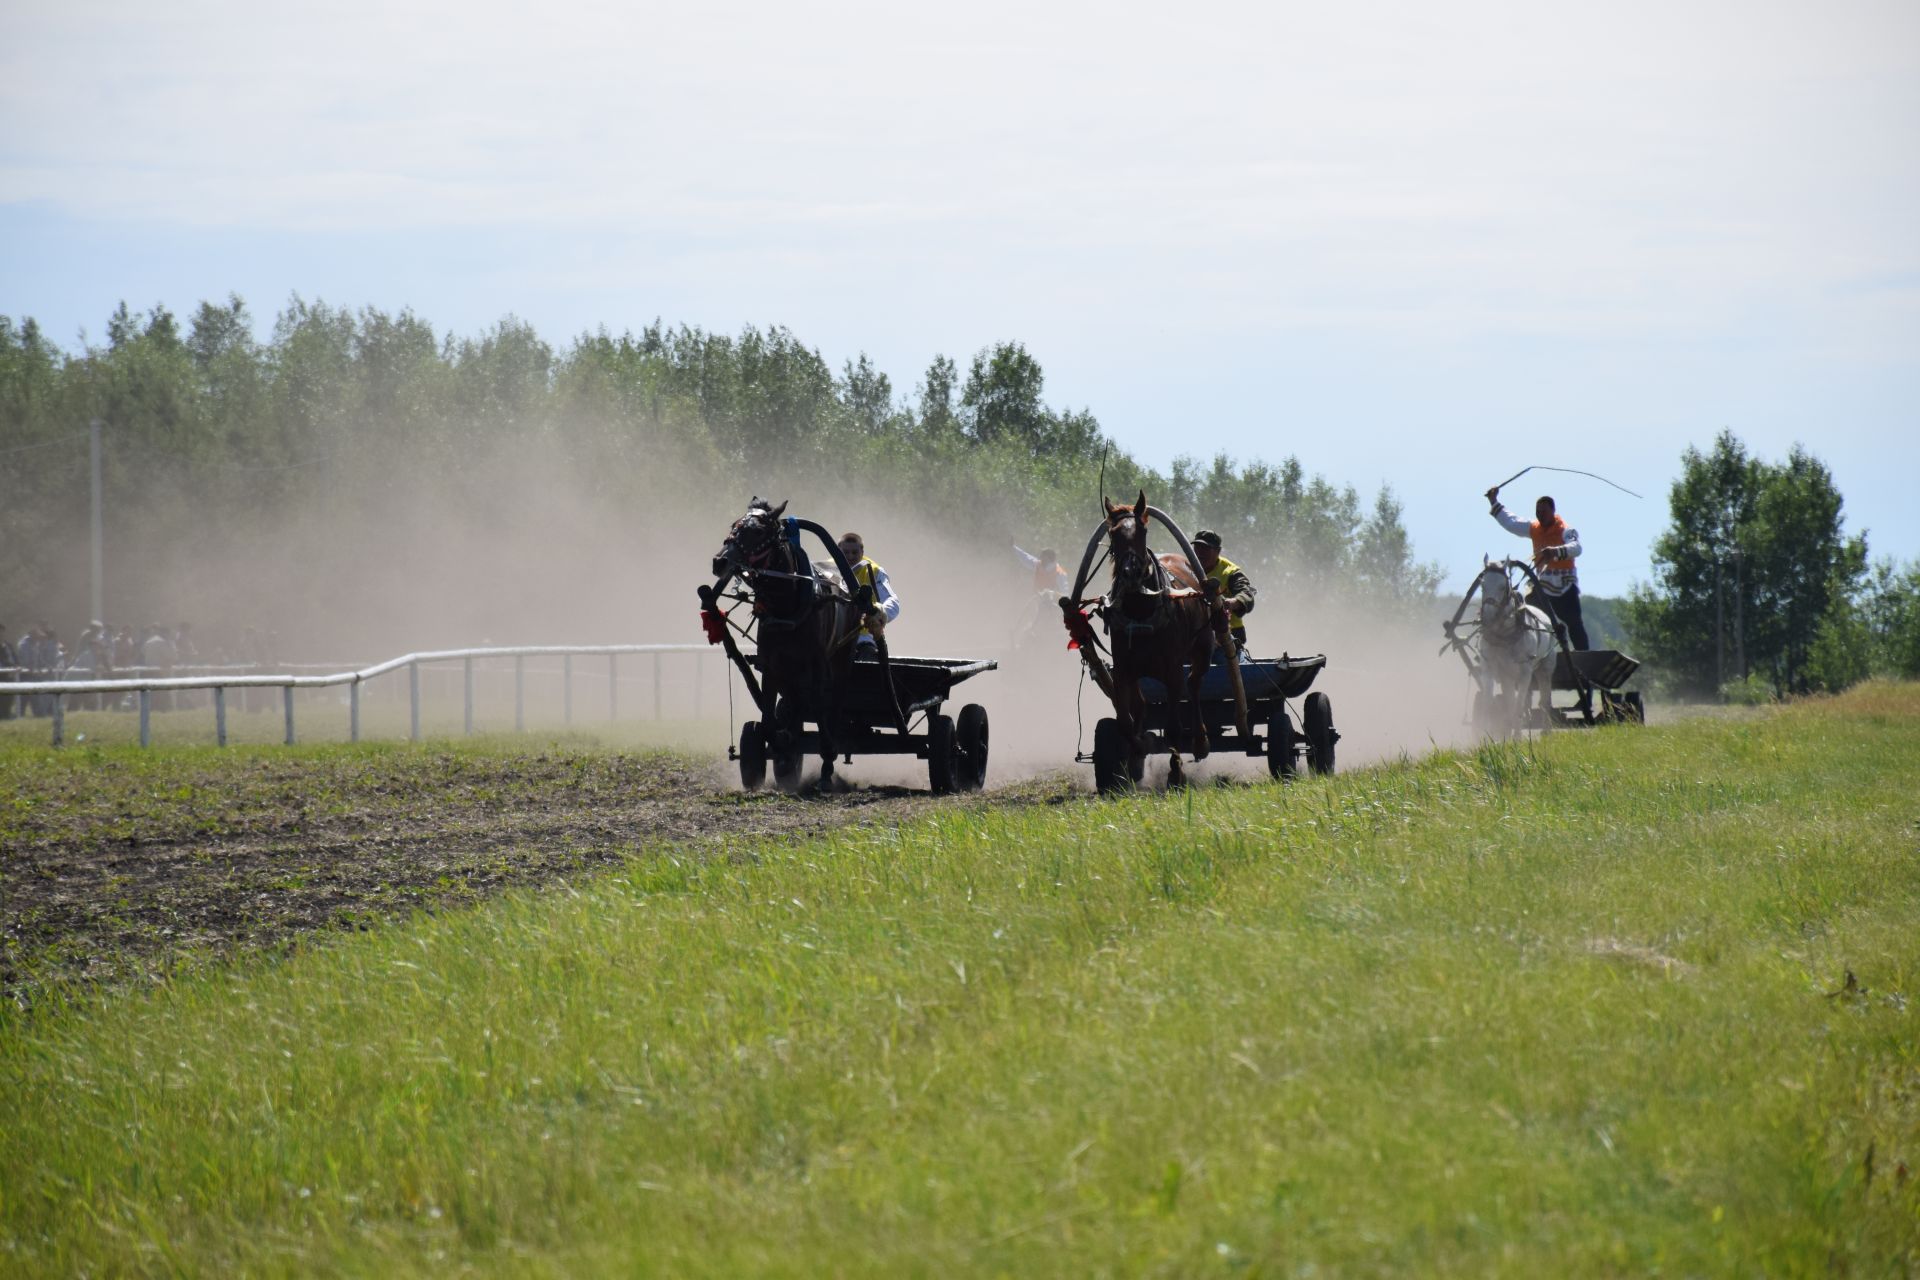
(219, 681)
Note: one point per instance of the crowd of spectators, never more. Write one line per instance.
(110, 653)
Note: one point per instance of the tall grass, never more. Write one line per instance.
(1577, 1006)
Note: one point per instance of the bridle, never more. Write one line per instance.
(1136, 571)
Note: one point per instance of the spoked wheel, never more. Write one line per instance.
(1110, 765)
(1283, 747)
(1636, 707)
(972, 741)
(785, 747)
(753, 756)
(943, 755)
(1321, 735)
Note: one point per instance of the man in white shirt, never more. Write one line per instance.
(1555, 546)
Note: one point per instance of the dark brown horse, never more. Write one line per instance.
(1156, 626)
(804, 626)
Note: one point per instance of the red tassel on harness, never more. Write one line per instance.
(1079, 630)
(715, 624)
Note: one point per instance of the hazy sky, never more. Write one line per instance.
(1421, 245)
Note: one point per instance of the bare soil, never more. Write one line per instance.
(128, 868)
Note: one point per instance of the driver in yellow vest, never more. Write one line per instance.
(1235, 587)
(868, 573)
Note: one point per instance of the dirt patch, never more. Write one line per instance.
(121, 871)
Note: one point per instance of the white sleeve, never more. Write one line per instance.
(1026, 557)
(1513, 524)
(1572, 544)
(884, 594)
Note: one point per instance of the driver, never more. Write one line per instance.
(866, 572)
(1048, 575)
(1555, 544)
(1235, 587)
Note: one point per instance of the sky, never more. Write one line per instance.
(1415, 245)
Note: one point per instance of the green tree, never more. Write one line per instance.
(1001, 398)
(936, 396)
(1890, 608)
(867, 394)
(1753, 575)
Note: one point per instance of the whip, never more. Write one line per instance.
(1568, 470)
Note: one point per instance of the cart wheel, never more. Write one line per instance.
(943, 756)
(1321, 734)
(1282, 747)
(753, 756)
(972, 733)
(1636, 707)
(786, 746)
(1110, 773)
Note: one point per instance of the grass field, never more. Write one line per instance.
(1620, 1002)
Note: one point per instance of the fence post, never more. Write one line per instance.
(613, 687)
(519, 693)
(353, 710)
(220, 715)
(413, 693)
(59, 719)
(146, 717)
(566, 690)
(656, 684)
(468, 665)
(288, 691)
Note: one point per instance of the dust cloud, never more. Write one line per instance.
(539, 547)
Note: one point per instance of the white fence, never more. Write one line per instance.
(220, 681)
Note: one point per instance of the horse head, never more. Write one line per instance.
(1499, 602)
(1135, 571)
(752, 541)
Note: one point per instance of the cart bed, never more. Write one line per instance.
(1265, 679)
(920, 682)
(1601, 668)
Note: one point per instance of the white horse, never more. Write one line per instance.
(1515, 643)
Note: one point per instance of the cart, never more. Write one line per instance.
(1596, 676)
(1288, 740)
(1517, 697)
(866, 723)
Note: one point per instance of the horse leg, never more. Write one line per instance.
(1203, 658)
(1131, 704)
(824, 700)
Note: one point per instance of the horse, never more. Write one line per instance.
(1156, 626)
(806, 620)
(1516, 642)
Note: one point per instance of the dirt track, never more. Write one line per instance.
(114, 874)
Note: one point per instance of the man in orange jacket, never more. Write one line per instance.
(1555, 545)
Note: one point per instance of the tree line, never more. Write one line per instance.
(340, 420)
(1757, 591)
(217, 434)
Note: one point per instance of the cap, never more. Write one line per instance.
(1207, 538)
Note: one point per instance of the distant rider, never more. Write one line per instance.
(1047, 573)
(1235, 587)
(1555, 545)
(868, 573)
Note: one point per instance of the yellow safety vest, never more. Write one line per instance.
(865, 571)
(1223, 570)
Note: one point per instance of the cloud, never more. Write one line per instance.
(1375, 165)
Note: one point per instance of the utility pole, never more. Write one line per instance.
(1739, 618)
(99, 613)
(1719, 632)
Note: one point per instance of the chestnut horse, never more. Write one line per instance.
(805, 625)
(1156, 627)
